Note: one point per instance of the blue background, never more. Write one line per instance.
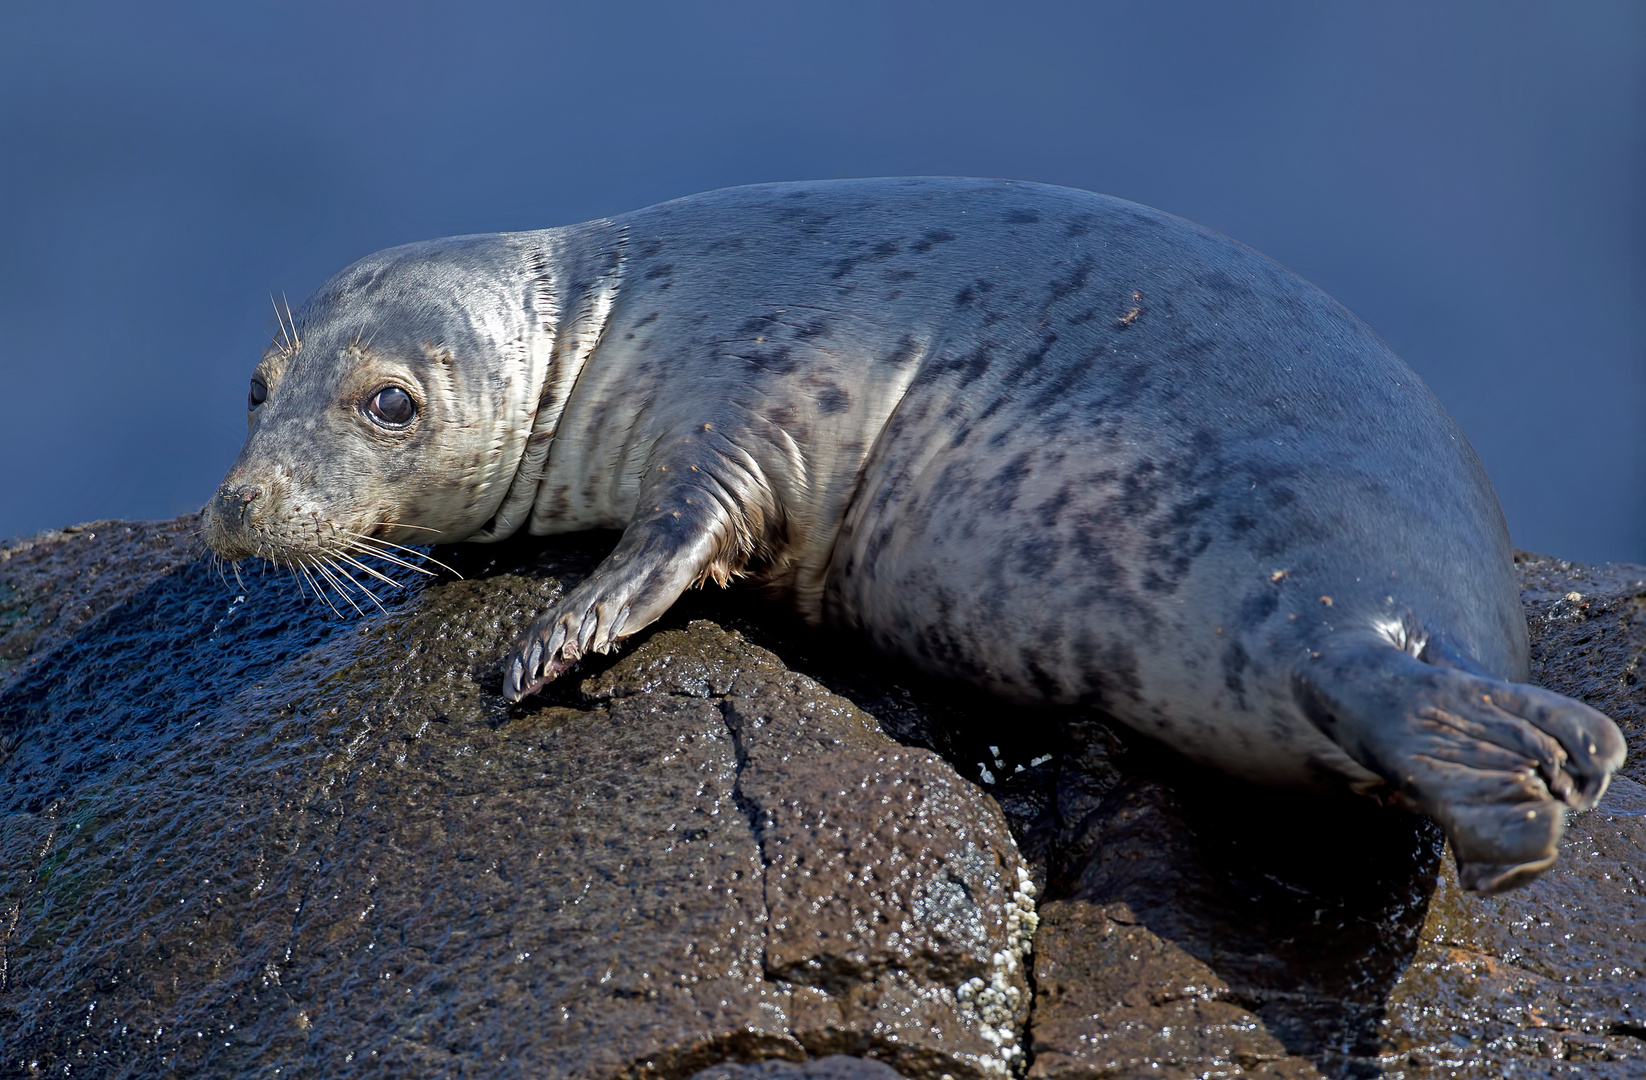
(1469, 178)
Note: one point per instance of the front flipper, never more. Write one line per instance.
(696, 521)
(1495, 763)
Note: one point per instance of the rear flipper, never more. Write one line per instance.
(1495, 763)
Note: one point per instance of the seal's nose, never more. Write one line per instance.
(227, 520)
(235, 502)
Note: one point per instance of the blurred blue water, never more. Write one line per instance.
(1470, 178)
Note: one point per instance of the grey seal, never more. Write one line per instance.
(1065, 447)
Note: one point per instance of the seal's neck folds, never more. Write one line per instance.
(574, 276)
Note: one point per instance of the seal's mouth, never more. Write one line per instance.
(342, 567)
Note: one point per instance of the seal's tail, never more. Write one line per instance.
(1495, 763)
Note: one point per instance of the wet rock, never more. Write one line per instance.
(243, 834)
(1115, 999)
(54, 583)
(1199, 926)
(1529, 982)
(1588, 627)
(833, 1067)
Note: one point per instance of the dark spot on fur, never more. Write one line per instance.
(1022, 217)
(1034, 555)
(834, 400)
(1079, 225)
(1235, 663)
(907, 349)
(1140, 490)
(1039, 677)
(648, 319)
(660, 271)
(877, 543)
(969, 366)
(1258, 606)
(778, 359)
(973, 293)
(1059, 389)
(1067, 286)
(1110, 671)
(1049, 511)
(880, 252)
(930, 239)
(1000, 492)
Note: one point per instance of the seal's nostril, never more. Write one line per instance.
(245, 495)
(234, 502)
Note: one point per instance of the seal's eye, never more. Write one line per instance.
(392, 406)
(258, 394)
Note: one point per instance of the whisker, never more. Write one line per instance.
(357, 564)
(403, 525)
(401, 547)
(320, 568)
(350, 578)
(324, 599)
(355, 545)
(285, 338)
(278, 321)
(296, 342)
(305, 585)
(359, 543)
(361, 549)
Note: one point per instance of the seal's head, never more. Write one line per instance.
(401, 392)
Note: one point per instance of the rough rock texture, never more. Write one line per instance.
(1588, 628)
(833, 1067)
(244, 837)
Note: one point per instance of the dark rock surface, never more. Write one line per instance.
(832, 1067)
(243, 837)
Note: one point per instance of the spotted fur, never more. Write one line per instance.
(1073, 450)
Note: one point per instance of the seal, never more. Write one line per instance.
(1067, 448)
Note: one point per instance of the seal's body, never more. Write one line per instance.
(1065, 447)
